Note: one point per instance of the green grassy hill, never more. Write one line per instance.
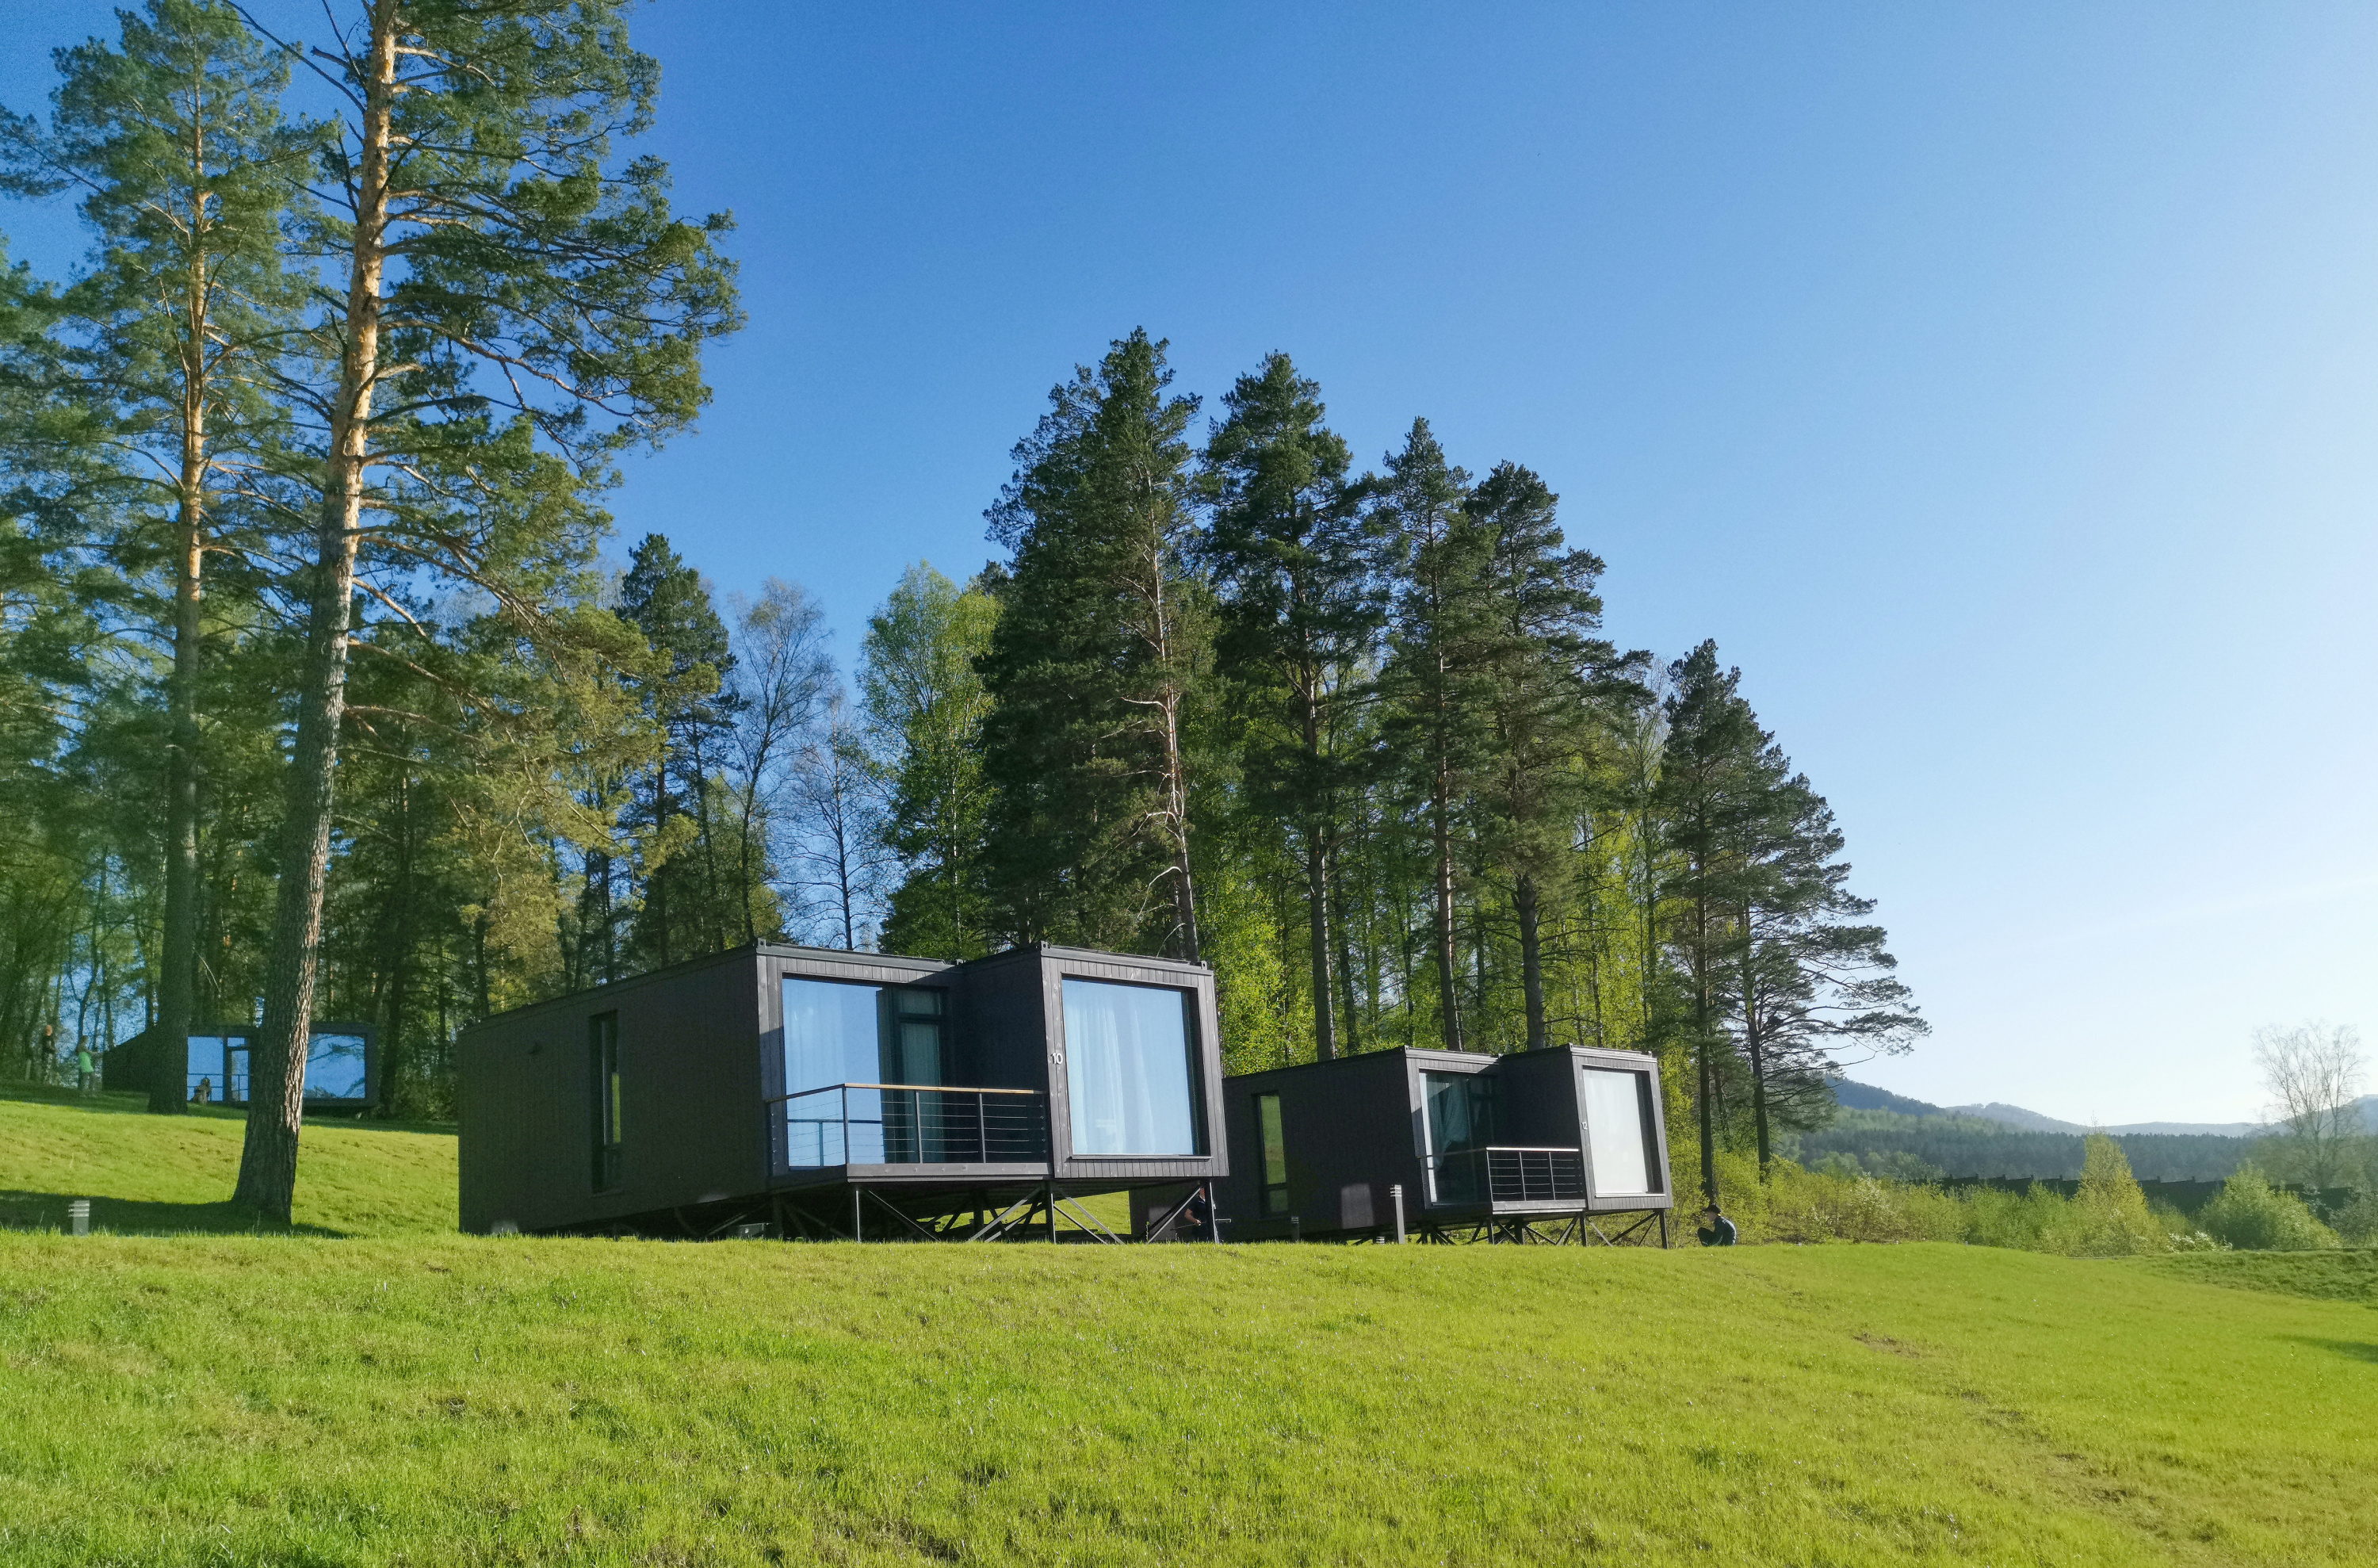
(173, 1174)
(435, 1398)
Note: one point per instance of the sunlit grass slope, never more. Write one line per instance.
(434, 1400)
(168, 1174)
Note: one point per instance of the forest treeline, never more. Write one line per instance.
(1888, 1143)
(321, 697)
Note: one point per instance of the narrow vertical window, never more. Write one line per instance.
(602, 1072)
(1275, 1154)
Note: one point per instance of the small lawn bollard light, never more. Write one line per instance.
(78, 1217)
(1396, 1196)
(1296, 1228)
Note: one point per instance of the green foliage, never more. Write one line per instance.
(2111, 1210)
(1974, 1146)
(1839, 1200)
(2252, 1214)
(2356, 1223)
(1100, 642)
(692, 897)
(926, 703)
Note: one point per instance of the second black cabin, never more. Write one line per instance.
(1539, 1145)
(341, 1065)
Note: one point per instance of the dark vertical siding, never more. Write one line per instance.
(689, 1077)
(1348, 1127)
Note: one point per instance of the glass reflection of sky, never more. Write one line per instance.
(334, 1067)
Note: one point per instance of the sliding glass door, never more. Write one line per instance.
(860, 1064)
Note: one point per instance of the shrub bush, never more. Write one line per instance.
(2108, 1217)
(2250, 1213)
(2358, 1221)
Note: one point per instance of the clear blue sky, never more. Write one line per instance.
(1998, 384)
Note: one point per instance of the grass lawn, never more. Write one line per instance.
(174, 1174)
(439, 1399)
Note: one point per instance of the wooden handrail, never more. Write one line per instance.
(935, 1087)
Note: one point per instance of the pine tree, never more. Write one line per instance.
(1299, 617)
(507, 308)
(1708, 790)
(1098, 649)
(1813, 974)
(1551, 682)
(1438, 676)
(188, 173)
(686, 910)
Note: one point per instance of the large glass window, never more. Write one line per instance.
(1459, 1111)
(833, 1034)
(334, 1067)
(1130, 1076)
(208, 1081)
(888, 1038)
(1275, 1154)
(1618, 1128)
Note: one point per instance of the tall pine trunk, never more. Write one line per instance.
(170, 1035)
(268, 1164)
(1186, 941)
(1448, 980)
(168, 1050)
(1350, 1032)
(1528, 906)
(1703, 1044)
(1754, 1041)
(394, 1054)
(1316, 893)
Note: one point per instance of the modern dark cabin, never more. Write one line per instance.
(342, 1064)
(1563, 1145)
(811, 1092)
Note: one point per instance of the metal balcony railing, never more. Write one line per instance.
(1507, 1173)
(914, 1124)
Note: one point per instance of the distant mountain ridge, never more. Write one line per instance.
(1866, 1097)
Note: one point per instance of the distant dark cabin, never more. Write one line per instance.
(342, 1064)
(812, 1092)
(1566, 1144)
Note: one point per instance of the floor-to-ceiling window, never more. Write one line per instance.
(1458, 1109)
(1131, 1075)
(839, 1033)
(209, 1080)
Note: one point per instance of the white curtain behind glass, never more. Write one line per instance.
(829, 1034)
(1127, 1070)
(1614, 1125)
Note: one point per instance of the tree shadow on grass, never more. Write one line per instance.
(20, 1210)
(2352, 1349)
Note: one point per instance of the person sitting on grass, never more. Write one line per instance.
(204, 1093)
(1720, 1230)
